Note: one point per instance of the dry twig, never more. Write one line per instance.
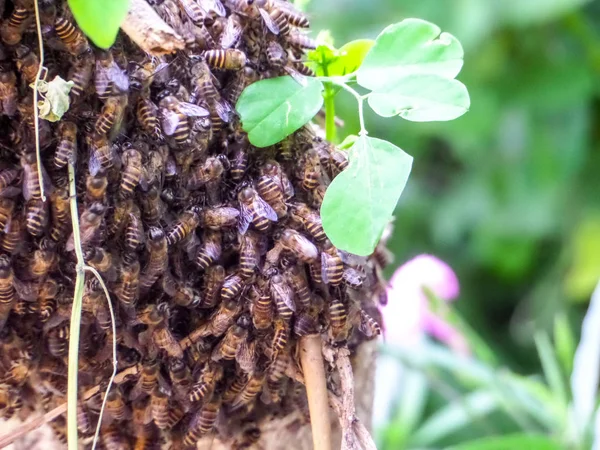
(311, 359)
(144, 26)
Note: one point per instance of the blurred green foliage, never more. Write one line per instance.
(508, 193)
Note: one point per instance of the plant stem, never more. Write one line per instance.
(343, 83)
(36, 114)
(330, 129)
(311, 358)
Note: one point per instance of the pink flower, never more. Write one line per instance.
(408, 316)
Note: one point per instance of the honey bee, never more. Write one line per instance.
(7, 176)
(311, 170)
(109, 79)
(8, 92)
(278, 59)
(174, 116)
(254, 210)
(301, 41)
(249, 438)
(352, 278)
(280, 337)
(27, 63)
(204, 82)
(12, 30)
(132, 171)
(89, 224)
(111, 115)
(368, 325)
(239, 164)
(128, 289)
(232, 287)
(226, 59)
(276, 376)
(317, 195)
(310, 219)
(46, 298)
(18, 371)
(337, 320)
(67, 143)
(250, 253)
(203, 389)
(152, 206)
(213, 6)
(300, 246)
(148, 379)
(272, 17)
(183, 226)
(157, 320)
(193, 10)
(210, 250)
(102, 155)
(58, 340)
(296, 276)
(113, 437)
(159, 405)
(7, 206)
(43, 259)
(261, 309)
(74, 40)
(13, 232)
(181, 294)
(271, 192)
(147, 116)
(208, 173)
(81, 73)
(7, 290)
(219, 217)
(283, 296)
(251, 390)
(116, 407)
(229, 346)
(158, 258)
(134, 234)
(235, 387)
(181, 378)
(241, 79)
(31, 182)
(232, 32)
(332, 267)
(213, 280)
(273, 169)
(37, 216)
(202, 422)
(102, 261)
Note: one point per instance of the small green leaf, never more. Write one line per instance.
(412, 46)
(320, 58)
(513, 441)
(55, 96)
(422, 98)
(100, 19)
(360, 201)
(348, 142)
(564, 342)
(273, 109)
(349, 57)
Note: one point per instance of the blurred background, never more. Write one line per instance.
(508, 196)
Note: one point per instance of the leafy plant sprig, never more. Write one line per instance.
(410, 70)
(100, 19)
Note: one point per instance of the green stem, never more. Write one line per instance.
(342, 82)
(330, 130)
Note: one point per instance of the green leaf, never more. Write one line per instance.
(348, 142)
(273, 109)
(550, 366)
(513, 441)
(55, 95)
(454, 417)
(349, 57)
(412, 46)
(320, 58)
(100, 19)
(360, 201)
(422, 98)
(564, 342)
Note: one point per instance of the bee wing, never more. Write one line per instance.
(297, 76)
(265, 210)
(102, 79)
(231, 33)
(193, 14)
(213, 5)
(244, 219)
(287, 294)
(169, 121)
(246, 355)
(271, 25)
(94, 163)
(119, 77)
(189, 109)
(324, 262)
(223, 110)
(28, 292)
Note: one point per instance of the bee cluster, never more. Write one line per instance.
(213, 251)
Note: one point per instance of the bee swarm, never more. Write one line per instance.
(212, 250)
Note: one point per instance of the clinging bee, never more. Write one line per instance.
(183, 226)
(254, 210)
(132, 171)
(110, 79)
(74, 40)
(226, 59)
(12, 30)
(67, 143)
(8, 92)
(210, 250)
(174, 116)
